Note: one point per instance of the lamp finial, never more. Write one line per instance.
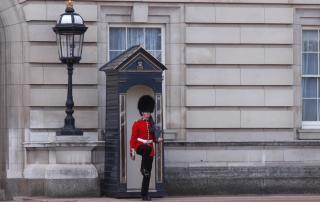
(70, 6)
(70, 3)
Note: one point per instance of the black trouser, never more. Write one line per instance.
(146, 167)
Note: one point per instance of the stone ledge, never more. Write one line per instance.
(243, 180)
(308, 134)
(62, 144)
(219, 144)
(60, 171)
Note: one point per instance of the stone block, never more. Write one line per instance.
(213, 76)
(68, 171)
(216, 35)
(44, 32)
(59, 75)
(266, 119)
(192, 155)
(253, 136)
(175, 96)
(200, 97)
(15, 95)
(36, 75)
(10, 16)
(89, 54)
(201, 14)
(38, 157)
(15, 118)
(176, 33)
(239, 55)
(6, 4)
(279, 97)
(35, 11)
(200, 136)
(234, 155)
(278, 56)
(266, 76)
(55, 9)
(41, 32)
(15, 153)
(213, 119)
(283, 15)
(43, 54)
(174, 54)
(39, 136)
(173, 75)
(73, 156)
(173, 117)
(15, 52)
(266, 35)
(49, 54)
(57, 97)
(13, 33)
(55, 118)
(35, 171)
(273, 155)
(139, 12)
(200, 55)
(81, 187)
(14, 74)
(302, 155)
(240, 97)
(239, 14)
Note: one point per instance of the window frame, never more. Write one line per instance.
(162, 28)
(310, 124)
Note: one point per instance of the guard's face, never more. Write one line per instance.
(146, 115)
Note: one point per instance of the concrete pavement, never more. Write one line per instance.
(267, 198)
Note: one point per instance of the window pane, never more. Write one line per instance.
(310, 64)
(135, 37)
(309, 110)
(114, 54)
(309, 87)
(310, 40)
(117, 38)
(153, 38)
(156, 54)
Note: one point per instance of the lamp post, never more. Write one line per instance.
(70, 29)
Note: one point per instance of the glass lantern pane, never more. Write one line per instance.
(59, 44)
(78, 19)
(77, 45)
(69, 46)
(66, 19)
(63, 44)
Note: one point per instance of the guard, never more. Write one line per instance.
(144, 134)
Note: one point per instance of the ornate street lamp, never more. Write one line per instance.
(70, 29)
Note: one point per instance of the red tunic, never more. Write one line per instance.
(140, 129)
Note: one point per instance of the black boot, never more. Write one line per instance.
(146, 198)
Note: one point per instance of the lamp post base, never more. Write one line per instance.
(74, 132)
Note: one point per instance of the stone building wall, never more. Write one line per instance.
(233, 93)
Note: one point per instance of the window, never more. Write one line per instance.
(310, 79)
(122, 38)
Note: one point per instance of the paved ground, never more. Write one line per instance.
(269, 198)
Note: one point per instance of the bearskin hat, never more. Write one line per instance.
(146, 104)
